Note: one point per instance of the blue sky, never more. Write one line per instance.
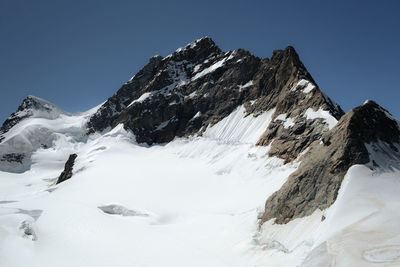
(78, 53)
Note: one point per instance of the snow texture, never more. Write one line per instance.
(310, 114)
(287, 122)
(196, 204)
(246, 85)
(192, 202)
(210, 69)
(239, 128)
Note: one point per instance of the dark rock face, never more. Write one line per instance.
(161, 101)
(110, 110)
(315, 184)
(69, 165)
(13, 157)
(289, 142)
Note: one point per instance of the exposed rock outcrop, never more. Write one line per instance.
(69, 165)
(315, 184)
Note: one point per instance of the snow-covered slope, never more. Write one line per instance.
(196, 202)
(38, 125)
(175, 168)
(192, 202)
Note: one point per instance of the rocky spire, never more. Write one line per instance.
(196, 51)
(67, 172)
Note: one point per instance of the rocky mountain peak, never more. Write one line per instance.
(289, 53)
(38, 107)
(353, 140)
(161, 101)
(197, 50)
(33, 102)
(370, 122)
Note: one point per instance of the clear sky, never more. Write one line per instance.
(76, 54)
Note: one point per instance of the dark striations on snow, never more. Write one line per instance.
(67, 172)
(315, 184)
(198, 85)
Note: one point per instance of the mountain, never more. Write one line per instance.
(36, 125)
(199, 85)
(203, 158)
(315, 184)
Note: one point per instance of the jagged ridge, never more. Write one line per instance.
(199, 85)
(316, 182)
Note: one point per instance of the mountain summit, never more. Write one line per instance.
(199, 85)
(203, 158)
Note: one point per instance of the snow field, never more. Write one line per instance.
(194, 201)
(202, 196)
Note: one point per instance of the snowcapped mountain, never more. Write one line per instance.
(203, 158)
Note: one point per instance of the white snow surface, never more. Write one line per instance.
(198, 114)
(41, 130)
(287, 122)
(239, 128)
(310, 114)
(361, 228)
(201, 196)
(308, 88)
(246, 85)
(305, 84)
(142, 98)
(192, 202)
(45, 109)
(210, 69)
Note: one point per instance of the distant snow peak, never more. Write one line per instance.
(40, 107)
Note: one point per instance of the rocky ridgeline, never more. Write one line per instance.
(316, 183)
(199, 85)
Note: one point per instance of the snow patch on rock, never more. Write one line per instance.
(310, 114)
